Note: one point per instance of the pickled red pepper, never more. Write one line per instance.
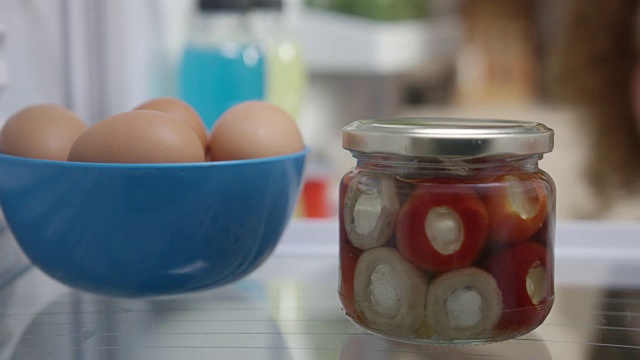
(464, 303)
(349, 255)
(389, 291)
(523, 275)
(442, 226)
(369, 210)
(517, 208)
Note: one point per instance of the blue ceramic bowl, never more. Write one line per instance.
(149, 229)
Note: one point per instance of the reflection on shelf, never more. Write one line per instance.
(359, 344)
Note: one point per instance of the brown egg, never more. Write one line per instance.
(140, 136)
(182, 111)
(44, 131)
(254, 129)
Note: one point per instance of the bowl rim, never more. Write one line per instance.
(77, 164)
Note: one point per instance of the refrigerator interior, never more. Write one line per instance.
(100, 57)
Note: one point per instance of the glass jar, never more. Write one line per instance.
(447, 229)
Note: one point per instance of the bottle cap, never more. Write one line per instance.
(270, 4)
(212, 5)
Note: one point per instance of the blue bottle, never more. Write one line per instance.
(222, 65)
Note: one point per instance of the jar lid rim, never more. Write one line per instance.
(448, 137)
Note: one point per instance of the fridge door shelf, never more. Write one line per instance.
(343, 44)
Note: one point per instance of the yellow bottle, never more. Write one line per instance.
(286, 76)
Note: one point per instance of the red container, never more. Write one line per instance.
(447, 229)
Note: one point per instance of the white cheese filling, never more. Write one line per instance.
(384, 291)
(444, 229)
(525, 206)
(366, 213)
(464, 308)
(537, 283)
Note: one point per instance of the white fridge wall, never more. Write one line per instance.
(94, 56)
(33, 54)
(143, 38)
(119, 54)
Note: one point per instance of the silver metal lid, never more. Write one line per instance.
(447, 137)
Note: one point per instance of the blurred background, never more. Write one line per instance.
(566, 63)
